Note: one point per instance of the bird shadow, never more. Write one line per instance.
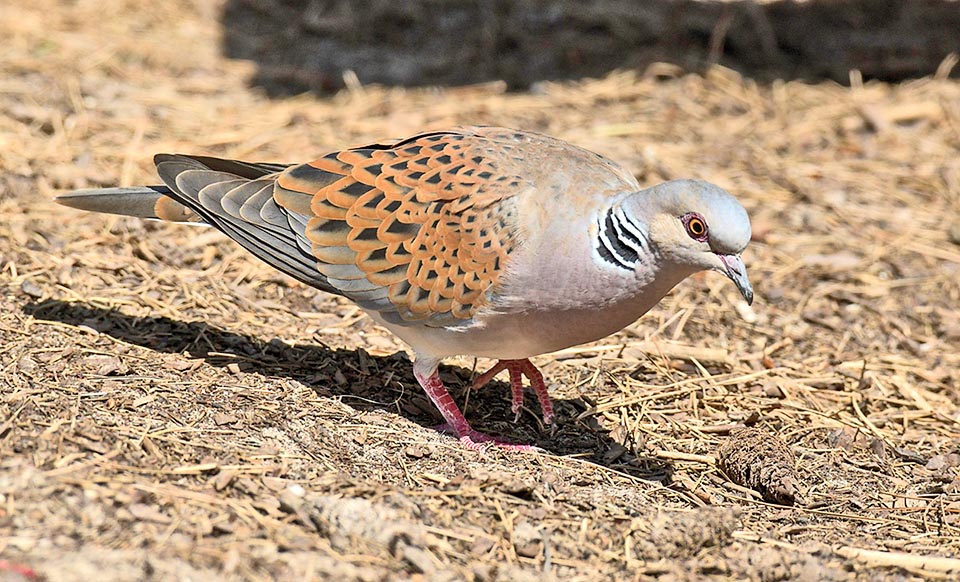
(365, 382)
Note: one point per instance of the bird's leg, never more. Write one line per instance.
(429, 379)
(516, 382)
(539, 388)
(483, 379)
(516, 389)
(518, 369)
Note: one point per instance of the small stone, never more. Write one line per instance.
(105, 365)
(772, 390)
(527, 540)
(518, 488)
(290, 501)
(32, 289)
(27, 364)
(879, 448)
(222, 418)
(943, 462)
(297, 490)
(223, 479)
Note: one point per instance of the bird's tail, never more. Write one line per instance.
(232, 196)
(139, 201)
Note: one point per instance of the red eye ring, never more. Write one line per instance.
(696, 226)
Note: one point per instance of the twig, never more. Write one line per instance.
(878, 558)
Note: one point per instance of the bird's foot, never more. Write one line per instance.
(478, 441)
(518, 369)
(456, 423)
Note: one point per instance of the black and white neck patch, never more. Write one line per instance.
(621, 241)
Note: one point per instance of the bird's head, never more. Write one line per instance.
(698, 225)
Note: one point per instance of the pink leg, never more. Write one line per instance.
(482, 380)
(471, 438)
(540, 388)
(519, 368)
(516, 389)
(516, 382)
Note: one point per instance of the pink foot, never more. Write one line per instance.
(518, 369)
(456, 423)
(478, 441)
(17, 571)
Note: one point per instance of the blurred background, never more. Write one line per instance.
(310, 44)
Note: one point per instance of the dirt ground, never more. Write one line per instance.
(171, 409)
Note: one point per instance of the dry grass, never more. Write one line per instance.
(169, 405)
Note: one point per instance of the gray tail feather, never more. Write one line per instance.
(139, 201)
(266, 230)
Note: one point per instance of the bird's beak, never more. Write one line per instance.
(737, 272)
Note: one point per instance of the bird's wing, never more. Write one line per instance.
(418, 230)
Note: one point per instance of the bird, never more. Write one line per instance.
(476, 240)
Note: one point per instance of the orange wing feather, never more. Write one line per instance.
(421, 228)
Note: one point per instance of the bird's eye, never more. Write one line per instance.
(696, 226)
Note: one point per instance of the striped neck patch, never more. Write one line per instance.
(621, 241)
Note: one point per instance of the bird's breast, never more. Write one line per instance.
(533, 327)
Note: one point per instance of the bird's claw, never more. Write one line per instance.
(478, 441)
(518, 369)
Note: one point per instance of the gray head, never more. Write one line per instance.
(695, 224)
